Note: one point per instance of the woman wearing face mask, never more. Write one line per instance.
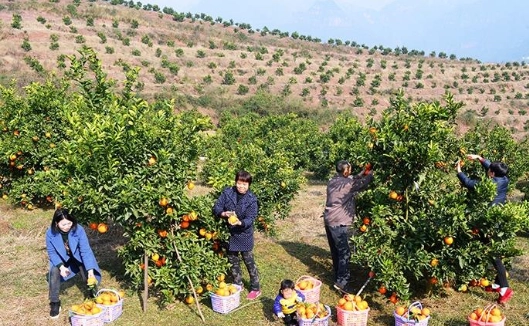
(238, 205)
(69, 253)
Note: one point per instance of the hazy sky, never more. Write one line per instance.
(487, 30)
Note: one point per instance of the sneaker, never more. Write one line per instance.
(55, 309)
(253, 295)
(489, 288)
(343, 289)
(506, 297)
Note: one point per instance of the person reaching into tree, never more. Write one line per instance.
(340, 209)
(498, 172)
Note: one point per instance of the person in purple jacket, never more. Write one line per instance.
(69, 253)
(238, 201)
(497, 171)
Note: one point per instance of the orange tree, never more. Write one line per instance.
(126, 162)
(417, 225)
(32, 126)
(276, 150)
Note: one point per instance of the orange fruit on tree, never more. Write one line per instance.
(363, 228)
(382, 289)
(366, 220)
(169, 211)
(190, 299)
(102, 228)
(93, 226)
(151, 161)
(184, 224)
(448, 240)
(202, 232)
(434, 262)
(162, 233)
(393, 195)
(163, 202)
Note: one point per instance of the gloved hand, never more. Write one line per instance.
(299, 299)
(280, 315)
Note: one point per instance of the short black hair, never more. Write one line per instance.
(342, 165)
(286, 284)
(499, 169)
(244, 177)
(59, 215)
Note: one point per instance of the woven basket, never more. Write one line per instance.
(405, 321)
(225, 304)
(316, 321)
(312, 295)
(485, 316)
(111, 312)
(352, 318)
(86, 320)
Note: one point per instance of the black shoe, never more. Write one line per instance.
(55, 309)
(343, 289)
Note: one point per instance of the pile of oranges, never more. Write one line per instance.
(489, 315)
(415, 313)
(311, 310)
(352, 302)
(109, 298)
(304, 285)
(86, 308)
(225, 289)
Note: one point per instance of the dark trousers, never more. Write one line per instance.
(290, 319)
(54, 279)
(339, 237)
(249, 261)
(501, 276)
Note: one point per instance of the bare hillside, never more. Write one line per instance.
(213, 64)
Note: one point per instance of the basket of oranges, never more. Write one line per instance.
(352, 310)
(491, 315)
(86, 314)
(414, 315)
(310, 287)
(111, 302)
(313, 314)
(226, 297)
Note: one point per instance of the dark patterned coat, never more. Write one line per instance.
(241, 236)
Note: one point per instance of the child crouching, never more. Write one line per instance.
(286, 302)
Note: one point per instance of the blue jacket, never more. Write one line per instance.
(502, 184)
(241, 236)
(287, 306)
(79, 247)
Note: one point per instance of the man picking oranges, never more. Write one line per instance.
(340, 209)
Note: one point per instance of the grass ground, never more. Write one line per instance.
(299, 248)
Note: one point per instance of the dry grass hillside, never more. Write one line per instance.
(213, 66)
